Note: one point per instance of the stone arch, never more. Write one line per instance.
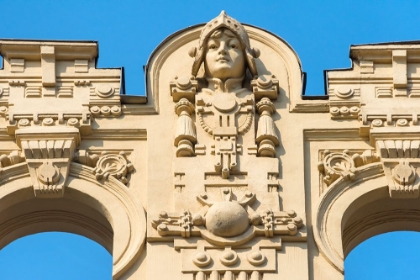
(103, 211)
(362, 208)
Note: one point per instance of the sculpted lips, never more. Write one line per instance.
(222, 59)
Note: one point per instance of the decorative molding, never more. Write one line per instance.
(403, 178)
(249, 261)
(117, 134)
(267, 137)
(81, 66)
(183, 87)
(10, 159)
(16, 83)
(399, 149)
(106, 164)
(17, 65)
(59, 120)
(325, 226)
(33, 92)
(112, 199)
(344, 102)
(65, 91)
(48, 153)
(265, 86)
(227, 222)
(185, 135)
(366, 67)
(343, 164)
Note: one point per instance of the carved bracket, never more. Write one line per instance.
(401, 159)
(344, 102)
(183, 87)
(403, 178)
(48, 153)
(265, 86)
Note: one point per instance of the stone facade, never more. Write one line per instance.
(224, 171)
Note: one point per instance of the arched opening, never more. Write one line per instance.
(64, 215)
(363, 208)
(103, 211)
(375, 213)
(55, 255)
(385, 256)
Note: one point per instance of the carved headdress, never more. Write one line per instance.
(224, 21)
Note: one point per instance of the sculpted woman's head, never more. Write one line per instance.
(225, 49)
(224, 58)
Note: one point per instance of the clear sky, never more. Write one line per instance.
(321, 33)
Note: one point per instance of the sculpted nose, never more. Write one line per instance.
(223, 48)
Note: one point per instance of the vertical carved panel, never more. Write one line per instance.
(266, 134)
(185, 135)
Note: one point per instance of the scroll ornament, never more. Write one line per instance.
(342, 164)
(107, 164)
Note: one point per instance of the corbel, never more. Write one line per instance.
(48, 66)
(48, 151)
(399, 152)
(183, 90)
(399, 71)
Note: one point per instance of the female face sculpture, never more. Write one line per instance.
(224, 58)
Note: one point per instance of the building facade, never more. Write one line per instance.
(225, 170)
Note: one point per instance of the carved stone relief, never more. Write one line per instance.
(107, 164)
(227, 146)
(219, 124)
(49, 135)
(343, 164)
(48, 154)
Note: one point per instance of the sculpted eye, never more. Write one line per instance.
(233, 46)
(212, 47)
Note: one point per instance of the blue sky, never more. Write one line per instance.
(321, 33)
